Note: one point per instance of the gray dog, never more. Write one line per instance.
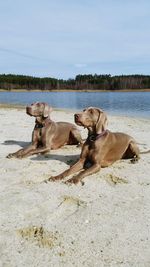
(47, 134)
(102, 147)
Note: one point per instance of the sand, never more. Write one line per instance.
(104, 223)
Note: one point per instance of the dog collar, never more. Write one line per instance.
(39, 126)
(93, 137)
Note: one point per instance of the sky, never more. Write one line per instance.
(64, 38)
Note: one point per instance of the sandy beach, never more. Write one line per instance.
(105, 223)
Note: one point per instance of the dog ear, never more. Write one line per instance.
(47, 110)
(101, 122)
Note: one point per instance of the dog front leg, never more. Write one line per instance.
(78, 178)
(73, 169)
(22, 152)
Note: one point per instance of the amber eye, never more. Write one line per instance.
(91, 111)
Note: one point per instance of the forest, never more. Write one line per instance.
(80, 82)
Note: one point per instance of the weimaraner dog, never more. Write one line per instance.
(47, 134)
(102, 147)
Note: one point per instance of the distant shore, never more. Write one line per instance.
(82, 90)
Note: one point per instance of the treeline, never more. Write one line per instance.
(81, 82)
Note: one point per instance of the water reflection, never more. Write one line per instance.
(126, 103)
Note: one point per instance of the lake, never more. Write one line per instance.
(122, 103)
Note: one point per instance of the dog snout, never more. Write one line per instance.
(76, 116)
(28, 110)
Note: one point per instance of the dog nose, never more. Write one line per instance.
(76, 116)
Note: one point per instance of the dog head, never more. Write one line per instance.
(39, 109)
(92, 117)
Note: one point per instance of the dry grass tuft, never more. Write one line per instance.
(73, 200)
(39, 236)
(114, 180)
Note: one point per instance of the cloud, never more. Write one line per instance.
(80, 65)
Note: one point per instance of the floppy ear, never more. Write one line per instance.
(101, 122)
(47, 110)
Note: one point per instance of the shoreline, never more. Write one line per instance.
(23, 106)
(80, 91)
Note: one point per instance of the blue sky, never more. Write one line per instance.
(62, 38)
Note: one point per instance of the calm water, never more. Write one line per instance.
(125, 103)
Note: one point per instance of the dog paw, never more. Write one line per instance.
(134, 160)
(50, 179)
(9, 156)
(74, 180)
(13, 155)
